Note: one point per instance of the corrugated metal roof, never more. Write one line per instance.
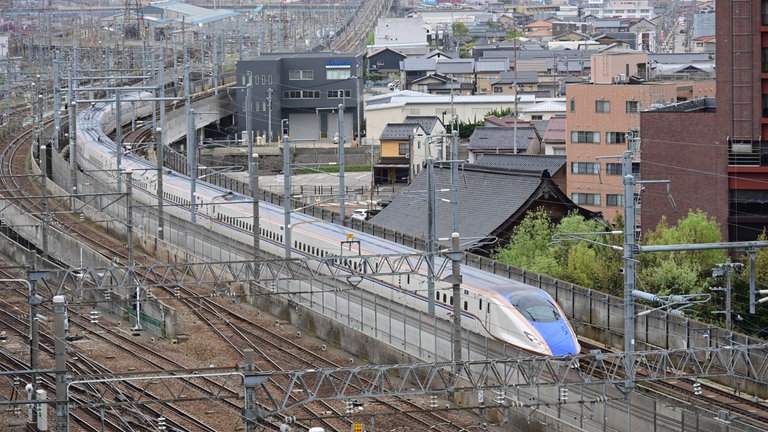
(546, 106)
(193, 15)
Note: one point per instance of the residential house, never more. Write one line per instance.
(515, 139)
(394, 106)
(487, 72)
(385, 61)
(439, 84)
(403, 151)
(554, 140)
(438, 143)
(544, 110)
(461, 70)
(538, 29)
(413, 68)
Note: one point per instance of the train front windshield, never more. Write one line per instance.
(534, 307)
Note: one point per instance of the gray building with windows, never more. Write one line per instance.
(305, 89)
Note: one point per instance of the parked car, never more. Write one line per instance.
(364, 214)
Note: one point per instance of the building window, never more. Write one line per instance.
(573, 104)
(338, 74)
(585, 137)
(334, 94)
(403, 150)
(613, 168)
(616, 137)
(614, 200)
(585, 198)
(301, 94)
(298, 74)
(585, 168)
(603, 106)
(537, 117)
(498, 89)
(633, 106)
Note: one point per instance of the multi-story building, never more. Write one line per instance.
(725, 150)
(742, 111)
(306, 89)
(603, 119)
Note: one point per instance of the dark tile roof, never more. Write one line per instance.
(522, 77)
(491, 203)
(399, 131)
(427, 123)
(502, 138)
(522, 162)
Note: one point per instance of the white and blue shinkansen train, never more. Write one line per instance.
(506, 310)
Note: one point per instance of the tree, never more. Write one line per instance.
(580, 262)
(460, 30)
(683, 272)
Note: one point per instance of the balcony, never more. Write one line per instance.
(754, 153)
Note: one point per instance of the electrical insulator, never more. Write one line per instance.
(433, 401)
(161, 423)
(697, 388)
(563, 394)
(350, 407)
(108, 295)
(500, 398)
(177, 292)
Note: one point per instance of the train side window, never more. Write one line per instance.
(481, 304)
(451, 301)
(466, 305)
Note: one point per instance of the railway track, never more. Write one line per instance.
(240, 331)
(712, 397)
(19, 186)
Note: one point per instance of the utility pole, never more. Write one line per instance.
(252, 174)
(456, 255)
(431, 221)
(630, 249)
(286, 187)
(59, 317)
(269, 115)
(342, 209)
(726, 269)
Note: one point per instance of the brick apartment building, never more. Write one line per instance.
(603, 119)
(718, 159)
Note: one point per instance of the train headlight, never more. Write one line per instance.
(533, 338)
